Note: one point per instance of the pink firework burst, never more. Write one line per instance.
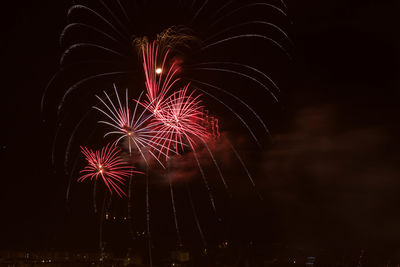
(181, 121)
(107, 164)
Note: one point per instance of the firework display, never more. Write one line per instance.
(171, 119)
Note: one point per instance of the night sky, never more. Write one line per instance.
(329, 173)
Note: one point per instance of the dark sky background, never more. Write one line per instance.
(329, 176)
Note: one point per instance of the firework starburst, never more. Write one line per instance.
(107, 165)
(181, 120)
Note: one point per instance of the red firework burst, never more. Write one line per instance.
(106, 163)
(180, 121)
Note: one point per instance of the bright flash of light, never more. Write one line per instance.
(158, 70)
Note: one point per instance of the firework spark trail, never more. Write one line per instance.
(109, 203)
(253, 22)
(71, 138)
(242, 75)
(73, 47)
(246, 169)
(199, 10)
(148, 219)
(82, 7)
(94, 196)
(76, 85)
(283, 3)
(72, 26)
(108, 165)
(124, 11)
(71, 66)
(222, 8)
(178, 235)
(217, 167)
(130, 197)
(211, 197)
(71, 178)
(46, 91)
(249, 35)
(203, 239)
(103, 209)
(241, 65)
(238, 99)
(127, 32)
(266, 5)
(54, 147)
